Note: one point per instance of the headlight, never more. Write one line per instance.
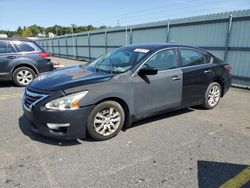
(69, 102)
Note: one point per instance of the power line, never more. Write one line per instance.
(170, 14)
(138, 11)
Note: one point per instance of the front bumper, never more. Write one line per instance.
(77, 119)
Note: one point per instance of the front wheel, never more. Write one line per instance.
(212, 96)
(105, 120)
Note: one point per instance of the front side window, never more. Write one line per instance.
(6, 47)
(118, 61)
(23, 46)
(163, 60)
(191, 57)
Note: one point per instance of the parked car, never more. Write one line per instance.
(122, 86)
(21, 60)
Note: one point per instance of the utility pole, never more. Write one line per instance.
(72, 26)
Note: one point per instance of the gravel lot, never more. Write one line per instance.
(187, 148)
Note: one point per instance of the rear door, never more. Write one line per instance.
(7, 54)
(197, 75)
(153, 93)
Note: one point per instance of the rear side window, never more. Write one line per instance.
(6, 47)
(191, 57)
(24, 46)
(163, 60)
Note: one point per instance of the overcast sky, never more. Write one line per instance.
(14, 13)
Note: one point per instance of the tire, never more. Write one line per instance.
(105, 120)
(27, 73)
(212, 96)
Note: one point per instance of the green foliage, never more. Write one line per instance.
(34, 30)
(27, 32)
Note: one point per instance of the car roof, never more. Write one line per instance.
(157, 46)
(17, 39)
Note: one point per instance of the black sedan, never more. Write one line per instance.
(122, 86)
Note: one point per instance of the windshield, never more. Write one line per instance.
(118, 61)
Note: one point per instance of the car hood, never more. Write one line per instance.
(68, 78)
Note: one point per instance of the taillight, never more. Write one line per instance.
(44, 55)
(229, 68)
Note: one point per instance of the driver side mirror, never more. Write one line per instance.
(148, 71)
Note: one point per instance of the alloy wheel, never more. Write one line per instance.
(214, 95)
(107, 121)
(24, 77)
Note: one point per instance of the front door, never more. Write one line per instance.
(162, 91)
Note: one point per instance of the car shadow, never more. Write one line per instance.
(6, 84)
(215, 174)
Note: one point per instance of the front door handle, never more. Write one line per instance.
(207, 71)
(174, 78)
(11, 57)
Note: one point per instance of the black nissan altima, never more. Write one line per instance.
(124, 85)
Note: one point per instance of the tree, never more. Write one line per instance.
(27, 33)
(103, 27)
(33, 30)
(90, 27)
(19, 31)
(82, 28)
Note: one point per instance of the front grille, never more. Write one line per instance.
(30, 99)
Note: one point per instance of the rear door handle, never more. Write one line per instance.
(174, 78)
(11, 57)
(207, 71)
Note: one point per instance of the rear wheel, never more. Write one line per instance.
(212, 96)
(105, 120)
(22, 76)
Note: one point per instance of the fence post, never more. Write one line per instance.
(168, 32)
(106, 41)
(73, 46)
(76, 46)
(89, 47)
(228, 37)
(66, 42)
(49, 41)
(131, 36)
(52, 46)
(58, 47)
(126, 33)
(47, 45)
